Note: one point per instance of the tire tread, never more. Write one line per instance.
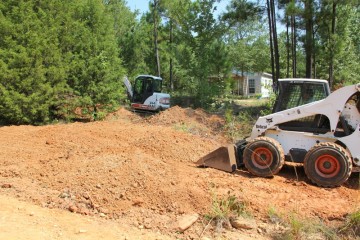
(279, 148)
(338, 148)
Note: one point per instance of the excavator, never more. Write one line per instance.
(309, 125)
(146, 94)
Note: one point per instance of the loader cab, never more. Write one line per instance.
(296, 92)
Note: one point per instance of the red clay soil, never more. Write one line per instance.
(139, 171)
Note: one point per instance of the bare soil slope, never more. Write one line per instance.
(138, 172)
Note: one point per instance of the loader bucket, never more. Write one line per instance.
(223, 158)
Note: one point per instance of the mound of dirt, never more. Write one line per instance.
(123, 114)
(196, 122)
(139, 171)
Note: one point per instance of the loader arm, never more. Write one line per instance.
(332, 107)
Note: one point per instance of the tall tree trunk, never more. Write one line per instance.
(331, 62)
(293, 46)
(276, 46)
(314, 55)
(171, 60)
(271, 45)
(156, 3)
(287, 47)
(309, 11)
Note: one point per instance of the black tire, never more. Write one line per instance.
(263, 157)
(327, 164)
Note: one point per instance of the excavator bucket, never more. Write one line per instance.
(223, 158)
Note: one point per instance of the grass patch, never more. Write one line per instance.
(190, 128)
(223, 208)
(295, 227)
(351, 228)
(241, 115)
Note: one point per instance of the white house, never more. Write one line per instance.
(251, 84)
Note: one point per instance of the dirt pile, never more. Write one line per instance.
(140, 171)
(196, 122)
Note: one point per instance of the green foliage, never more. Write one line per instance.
(296, 227)
(304, 228)
(231, 128)
(54, 57)
(351, 227)
(57, 56)
(269, 105)
(340, 47)
(225, 207)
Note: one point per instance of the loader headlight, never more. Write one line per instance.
(165, 100)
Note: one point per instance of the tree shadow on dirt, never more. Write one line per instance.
(295, 174)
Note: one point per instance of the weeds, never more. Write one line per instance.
(190, 128)
(274, 216)
(230, 124)
(295, 227)
(183, 128)
(352, 225)
(225, 208)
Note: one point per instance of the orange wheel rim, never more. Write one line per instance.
(262, 157)
(327, 166)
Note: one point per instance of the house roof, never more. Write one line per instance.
(247, 74)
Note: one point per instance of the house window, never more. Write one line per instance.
(251, 86)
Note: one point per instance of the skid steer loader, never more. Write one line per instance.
(308, 125)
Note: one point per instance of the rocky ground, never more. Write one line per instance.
(133, 177)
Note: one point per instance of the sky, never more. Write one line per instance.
(142, 5)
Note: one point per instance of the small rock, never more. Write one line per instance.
(84, 210)
(73, 208)
(147, 223)
(82, 231)
(227, 225)
(6, 185)
(186, 221)
(335, 218)
(102, 214)
(64, 195)
(138, 201)
(103, 210)
(243, 223)
(86, 196)
(98, 186)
